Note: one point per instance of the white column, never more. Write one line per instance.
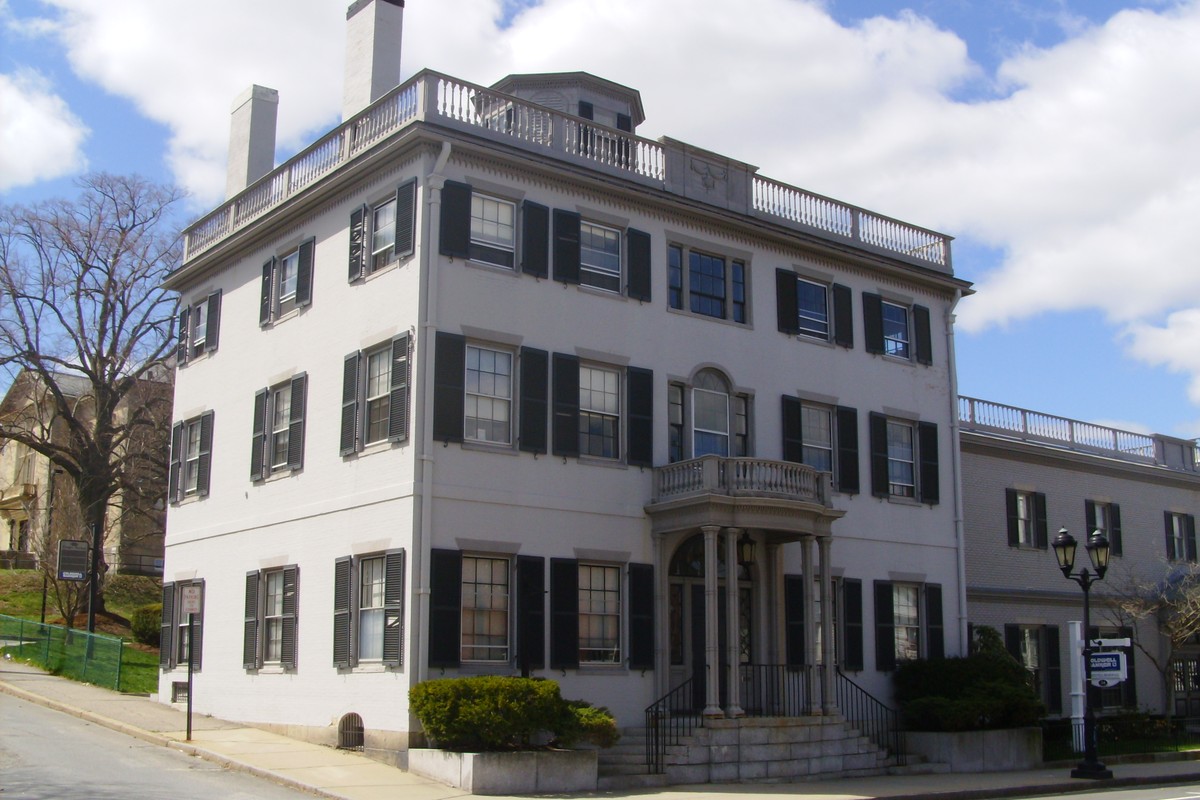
(810, 629)
(662, 633)
(776, 653)
(712, 628)
(828, 706)
(732, 618)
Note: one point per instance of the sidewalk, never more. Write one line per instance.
(334, 773)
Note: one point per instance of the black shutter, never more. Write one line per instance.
(852, 625)
(1012, 520)
(1114, 524)
(847, 449)
(535, 369)
(406, 219)
(358, 242)
(873, 322)
(935, 630)
(640, 448)
(531, 612)
(287, 639)
(641, 616)
(258, 436)
(885, 630)
(927, 444)
(445, 600)
(342, 569)
(348, 442)
(250, 625)
(880, 484)
(1012, 641)
(1041, 529)
(181, 345)
(564, 613)
(638, 249)
(1053, 694)
(843, 317)
(450, 361)
(393, 608)
(166, 631)
(264, 298)
(304, 273)
(204, 464)
(793, 436)
(535, 239)
(921, 332)
(1189, 534)
(566, 246)
(787, 308)
(455, 235)
(1170, 532)
(566, 405)
(398, 396)
(173, 479)
(793, 615)
(299, 390)
(214, 322)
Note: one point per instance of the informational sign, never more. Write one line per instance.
(72, 560)
(190, 600)
(1107, 643)
(1107, 669)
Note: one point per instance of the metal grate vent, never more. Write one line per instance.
(350, 732)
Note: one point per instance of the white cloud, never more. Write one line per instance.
(40, 138)
(1174, 344)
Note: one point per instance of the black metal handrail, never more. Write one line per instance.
(870, 716)
(775, 690)
(668, 720)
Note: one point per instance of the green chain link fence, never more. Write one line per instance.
(87, 657)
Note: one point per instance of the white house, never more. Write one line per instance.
(483, 382)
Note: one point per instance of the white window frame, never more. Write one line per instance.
(812, 322)
(377, 394)
(493, 230)
(383, 237)
(897, 333)
(600, 403)
(599, 614)
(271, 614)
(811, 439)
(369, 610)
(191, 457)
(1178, 537)
(908, 639)
(280, 432)
(735, 275)
(198, 330)
(900, 462)
(486, 629)
(1026, 521)
(286, 294)
(593, 269)
(488, 389)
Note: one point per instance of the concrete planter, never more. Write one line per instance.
(979, 751)
(524, 772)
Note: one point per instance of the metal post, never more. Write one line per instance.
(191, 662)
(94, 578)
(1090, 767)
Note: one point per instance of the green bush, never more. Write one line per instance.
(988, 689)
(499, 713)
(146, 624)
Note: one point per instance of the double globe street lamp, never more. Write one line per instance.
(1098, 551)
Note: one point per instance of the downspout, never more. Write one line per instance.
(956, 466)
(422, 535)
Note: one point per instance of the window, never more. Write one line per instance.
(286, 283)
(1026, 515)
(269, 629)
(175, 642)
(1105, 518)
(368, 609)
(908, 623)
(719, 419)
(199, 324)
(191, 457)
(599, 412)
(1181, 536)
(812, 309)
(599, 614)
(904, 459)
(488, 400)
(484, 608)
(493, 231)
(375, 396)
(599, 256)
(278, 428)
(594, 408)
(712, 285)
(897, 330)
(383, 232)
(816, 427)
(1036, 647)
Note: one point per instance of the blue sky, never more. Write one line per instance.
(1059, 142)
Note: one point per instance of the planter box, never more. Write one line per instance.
(525, 772)
(979, 751)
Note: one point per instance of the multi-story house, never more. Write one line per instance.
(1026, 475)
(484, 382)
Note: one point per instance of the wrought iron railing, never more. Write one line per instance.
(870, 716)
(1122, 735)
(668, 720)
(775, 690)
(741, 477)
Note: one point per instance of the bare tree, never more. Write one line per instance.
(84, 320)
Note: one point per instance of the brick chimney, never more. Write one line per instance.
(373, 30)
(251, 138)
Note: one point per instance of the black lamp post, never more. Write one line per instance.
(1098, 551)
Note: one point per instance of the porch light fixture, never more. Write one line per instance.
(1098, 551)
(745, 549)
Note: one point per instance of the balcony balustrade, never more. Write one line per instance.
(740, 477)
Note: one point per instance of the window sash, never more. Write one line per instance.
(710, 423)
(493, 226)
(895, 330)
(706, 284)
(906, 619)
(191, 468)
(273, 618)
(199, 326)
(378, 396)
(816, 437)
(383, 234)
(289, 273)
(1178, 537)
(600, 256)
(485, 601)
(370, 609)
(281, 418)
(599, 412)
(812, 301)
(599, 614)
(488, 396)
(1025, 523)
(901, 459)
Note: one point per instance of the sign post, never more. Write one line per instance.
(191, 605)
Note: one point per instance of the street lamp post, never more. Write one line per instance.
(1098, 551)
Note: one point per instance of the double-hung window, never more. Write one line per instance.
(269, 629)
(286, 283)
(1180, 536)
(382, 232)
(371, 586)
(1036, 647)
(901, 455)
(278, 428)
(599, 614)
(493, 230)
(599, 256)
(706, 284)
(488, 400)
(199, 324)
(906, 618)
(904, 459)
(599, 412)
(1026, 515)
(368, 609)
(1106, 519)
(375, 395)
(191, 457)
(717, 418)
(378, 395)
(823, 437)
(813, 308)
(898, 330)
(175, 643)
(485, 604)
(895, 330)
(908, 623)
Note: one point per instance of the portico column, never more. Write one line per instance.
(828, 706)
(810, 632)
(775, 604)
(662, 633)
(732, 618)
(712, 629)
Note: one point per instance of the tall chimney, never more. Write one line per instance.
(251, 138)
(373, 30)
